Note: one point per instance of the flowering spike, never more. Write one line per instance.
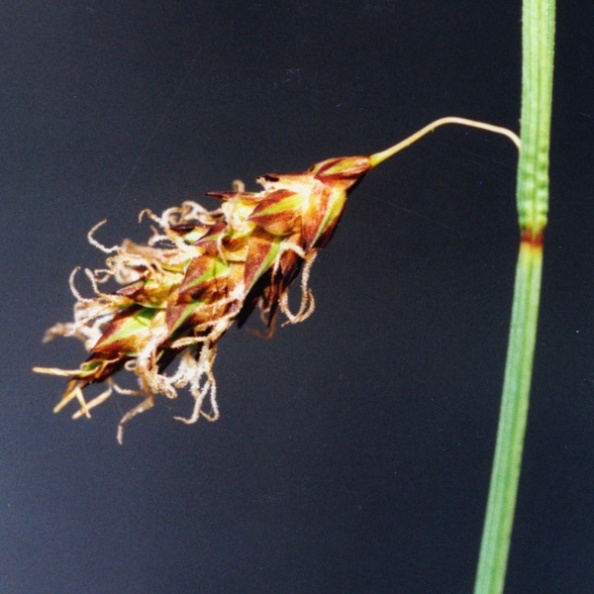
(199, 273)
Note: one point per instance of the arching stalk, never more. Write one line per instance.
(378, 158)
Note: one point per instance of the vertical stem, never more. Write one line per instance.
(538, 23)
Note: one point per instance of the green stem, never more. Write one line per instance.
(538, 24)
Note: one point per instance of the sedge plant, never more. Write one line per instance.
(203, 270)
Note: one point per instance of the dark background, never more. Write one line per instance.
(353, 451)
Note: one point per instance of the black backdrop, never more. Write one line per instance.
(353, 450)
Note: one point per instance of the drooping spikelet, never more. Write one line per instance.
(197, 274)
(203, 270)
